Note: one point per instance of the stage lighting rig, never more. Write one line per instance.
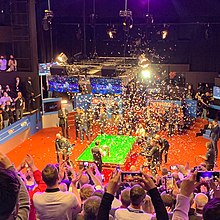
(47, 20)
(70, 69)
(127, 17)
(48, 14)
(149, 16)
(149, 19)
(125, 13)
(127, 23)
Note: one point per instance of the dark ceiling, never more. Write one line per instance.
(162, 10)
(194, 30)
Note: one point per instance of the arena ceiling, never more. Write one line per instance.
(162, 10)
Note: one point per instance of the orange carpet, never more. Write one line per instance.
(183, 148)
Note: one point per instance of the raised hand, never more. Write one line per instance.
(188, 185)
(113, 183)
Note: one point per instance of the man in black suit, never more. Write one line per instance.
(63, 121)
(97, 155)
(29, 90)
(209, 157)
(164, 148)
(214, 135)
(154, 154)
(18, 85)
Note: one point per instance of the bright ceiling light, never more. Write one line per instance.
(164, 34)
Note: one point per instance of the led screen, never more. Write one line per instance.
(63, 84)
(106, 86)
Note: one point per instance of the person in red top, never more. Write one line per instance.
(40, 184)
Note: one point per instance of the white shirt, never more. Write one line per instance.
(4, 99)
(55, 205)
(116, 203)
(3, 64)
(125, 214)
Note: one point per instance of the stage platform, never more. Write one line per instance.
(120, 148)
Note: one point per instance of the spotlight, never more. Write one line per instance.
(62, 58)
(164, 34)
(111, 32)
(127, 23)
(146, 73)
(149, 19)
(127, 19)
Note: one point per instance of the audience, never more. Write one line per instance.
(196, 210)
(12, 64)
(90, 208)
(12, 103)
(14, 199)
(137, 196)
(60, 193)
(211, 210)
(5, 98)
(53, 203)
(3, 63)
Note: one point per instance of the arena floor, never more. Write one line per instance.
(183, 148)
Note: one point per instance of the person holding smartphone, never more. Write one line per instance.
(209, 158)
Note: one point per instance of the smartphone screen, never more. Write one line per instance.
(118, 168)
(130, 176)
(169, 183)
(206, 176)
(86, 164)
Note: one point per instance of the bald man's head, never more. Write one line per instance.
(200, 200)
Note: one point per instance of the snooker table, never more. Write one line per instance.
(120, 147)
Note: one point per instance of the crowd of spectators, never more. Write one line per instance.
(59, 192)
(12, 102)
(158, 107)
(10, 65)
